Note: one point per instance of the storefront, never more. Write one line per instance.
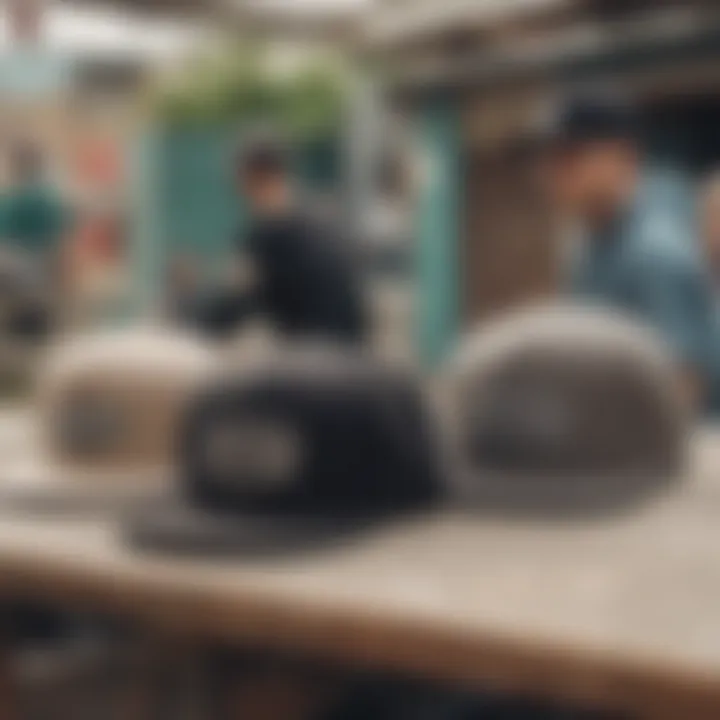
(486, 240)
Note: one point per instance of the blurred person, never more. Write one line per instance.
(34, 220)
(298, 269)
(631, 256)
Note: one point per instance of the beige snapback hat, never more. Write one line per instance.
(107, 411)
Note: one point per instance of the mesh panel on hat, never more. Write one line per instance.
(563, 395)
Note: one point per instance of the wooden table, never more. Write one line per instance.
(623, 612)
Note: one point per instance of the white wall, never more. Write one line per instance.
(99, 32)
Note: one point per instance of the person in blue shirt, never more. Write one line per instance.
(629, 254)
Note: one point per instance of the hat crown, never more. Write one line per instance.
(340, 435)
(568, 392)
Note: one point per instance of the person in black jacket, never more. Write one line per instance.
(298, 271)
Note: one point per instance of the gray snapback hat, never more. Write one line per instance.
(561, 406)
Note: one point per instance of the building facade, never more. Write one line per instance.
(473, 74)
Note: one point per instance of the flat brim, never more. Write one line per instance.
(44, 489)
(176, 528)
(562, 495)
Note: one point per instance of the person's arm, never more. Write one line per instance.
(220, 313)
(674, 297)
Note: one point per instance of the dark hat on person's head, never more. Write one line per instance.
(585, 117)
(296, 452)
(263, 153)
(565, 407)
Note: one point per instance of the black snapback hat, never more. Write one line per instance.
(559, 407)
(585, 117)
(295, 453)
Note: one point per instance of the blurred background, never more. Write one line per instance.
(406, 116)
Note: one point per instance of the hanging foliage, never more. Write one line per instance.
(240, 86)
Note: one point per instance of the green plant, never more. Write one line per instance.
(238, 86)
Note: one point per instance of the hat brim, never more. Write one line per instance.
(176, 528)
(48, 490)
(563, 495)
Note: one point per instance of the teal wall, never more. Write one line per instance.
(183, 202)
(145, 250)
(438, 305)
(201, 209)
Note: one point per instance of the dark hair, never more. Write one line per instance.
(587, 117)
(263, 157)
